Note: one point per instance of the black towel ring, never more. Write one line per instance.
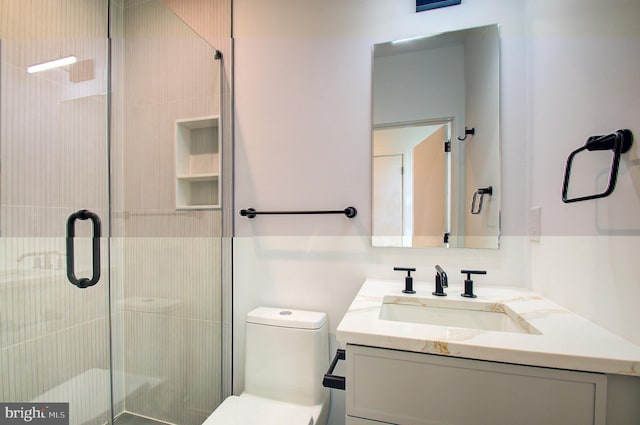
(619, 142)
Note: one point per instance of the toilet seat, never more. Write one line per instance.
(248, 409)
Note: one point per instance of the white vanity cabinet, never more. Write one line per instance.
(399, 387)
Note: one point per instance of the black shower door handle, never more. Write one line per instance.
(83, 282)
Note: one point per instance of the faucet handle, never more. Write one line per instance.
(405, 269)
(468, 283)
(408, 280)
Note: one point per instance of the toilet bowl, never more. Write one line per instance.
(286, 354)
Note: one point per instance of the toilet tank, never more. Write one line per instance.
(286, 355)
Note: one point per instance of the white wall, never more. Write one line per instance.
(583, 81)
(304, 92)
(302, 141)
(569, 70)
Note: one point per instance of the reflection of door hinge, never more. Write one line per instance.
(447, 146)
(446, 237)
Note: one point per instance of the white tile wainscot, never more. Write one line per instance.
(566, 359)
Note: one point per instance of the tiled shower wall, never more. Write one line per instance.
(168, 303)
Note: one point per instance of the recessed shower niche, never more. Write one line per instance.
(198, 163)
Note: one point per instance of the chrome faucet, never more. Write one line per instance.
(441, 282)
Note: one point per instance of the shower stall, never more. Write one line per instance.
(115, 189)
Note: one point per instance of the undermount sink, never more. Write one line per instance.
(454, 313)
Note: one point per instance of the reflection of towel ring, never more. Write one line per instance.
(481, 191)
(467, 132)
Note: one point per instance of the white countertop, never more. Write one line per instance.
(566, 340)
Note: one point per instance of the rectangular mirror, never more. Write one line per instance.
(436, 141)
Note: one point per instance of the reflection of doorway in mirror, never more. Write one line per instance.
(411, 180)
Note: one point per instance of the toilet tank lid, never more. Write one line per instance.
(286, 317)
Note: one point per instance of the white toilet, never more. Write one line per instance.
(287, 353)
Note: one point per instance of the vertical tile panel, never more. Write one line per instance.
(169, 296)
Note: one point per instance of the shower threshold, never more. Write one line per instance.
(127, 418)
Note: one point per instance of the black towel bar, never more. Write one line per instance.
(349, 212)
(335, 381)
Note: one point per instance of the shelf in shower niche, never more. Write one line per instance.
(197, 161)
(198, 177)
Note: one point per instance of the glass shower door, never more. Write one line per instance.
(54, 166)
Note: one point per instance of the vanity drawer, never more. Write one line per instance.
(412, 388)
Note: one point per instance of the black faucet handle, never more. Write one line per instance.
(470, 272)
(468, 283)
(408, 280)
(405, 269)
